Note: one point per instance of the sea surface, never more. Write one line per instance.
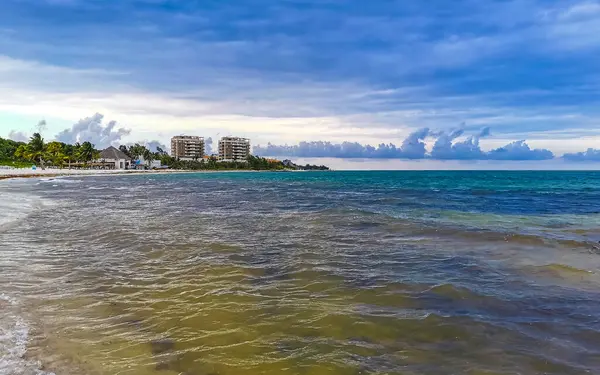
(314, 273)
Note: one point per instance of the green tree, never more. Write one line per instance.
(55, 153)
(86, 152)
(212, 163)
(77, 152)
(137, 150)
(8, 147)
(70, 153)
(125, 150)
(35, 149)
(160, 151)
(21, 152)
(148, 156)
(168, 161)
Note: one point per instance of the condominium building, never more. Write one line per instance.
(187, 147)
(234, 149)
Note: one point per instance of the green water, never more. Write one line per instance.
(338, 273)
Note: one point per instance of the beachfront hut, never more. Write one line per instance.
(142, 163)
(115, 156)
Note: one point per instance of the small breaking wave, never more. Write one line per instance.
(59, 180)
(14, 336)
(560, 270)
(16, 206)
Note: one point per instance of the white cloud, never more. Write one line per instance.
(18, 136)
(428, 164)
(50, 91)
(590, 154)
(92, 129)
(445, 147)
(583, 10)
(575, 27)
(260, 109)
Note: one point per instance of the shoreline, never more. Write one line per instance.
(30, 173)
(51, 173)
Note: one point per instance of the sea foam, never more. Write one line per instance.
(14, 335)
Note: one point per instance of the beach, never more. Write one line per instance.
(301, 273)
(55, 172)
(49, 173)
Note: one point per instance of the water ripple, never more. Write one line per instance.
(269, 274)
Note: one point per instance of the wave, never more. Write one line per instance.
(562, 270)
(59, 180)
(15, 207)
(14, 336)
(467, 227)
(453, 292)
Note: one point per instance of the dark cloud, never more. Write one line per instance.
(445, 147)
(317, 149)
(18, 136)
(92, 130)
(590, 154)
(485, 132)
(519, 150)
(413, 147)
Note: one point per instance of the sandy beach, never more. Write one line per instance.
(31, 173)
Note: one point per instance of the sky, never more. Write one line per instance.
(365, 84)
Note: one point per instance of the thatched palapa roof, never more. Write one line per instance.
(113, 153)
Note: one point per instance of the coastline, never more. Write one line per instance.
(30, 173)
(50, 173)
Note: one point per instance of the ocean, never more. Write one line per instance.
(301, 273)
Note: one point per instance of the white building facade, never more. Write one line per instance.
(234, 149)
(112, 155)
(187, 147)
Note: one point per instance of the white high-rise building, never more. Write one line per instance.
(187, 147)
(234, 149)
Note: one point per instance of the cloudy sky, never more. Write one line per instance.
(367, 84)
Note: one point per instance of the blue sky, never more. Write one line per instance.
(290, 71)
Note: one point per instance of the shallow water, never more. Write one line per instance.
(302, 273)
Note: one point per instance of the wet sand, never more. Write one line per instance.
(51, 173)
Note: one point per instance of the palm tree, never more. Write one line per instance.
(148, 155)
(21, 152)
(77, 152)
(54, 152)
(86, 152)
(125, 150)
(136, 150)
(69, 151)
(36, 149)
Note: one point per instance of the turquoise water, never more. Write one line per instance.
(302, 273)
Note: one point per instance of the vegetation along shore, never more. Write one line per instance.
(59, 155)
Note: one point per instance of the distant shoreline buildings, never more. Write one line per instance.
(234, 149)
(233, 153)
(187, 147)
(231, 149)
